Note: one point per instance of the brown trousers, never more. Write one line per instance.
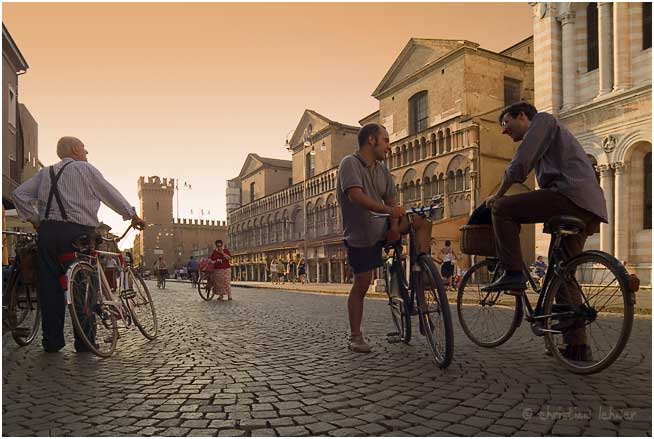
(538, 207)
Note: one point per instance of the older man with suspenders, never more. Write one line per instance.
(62, 203)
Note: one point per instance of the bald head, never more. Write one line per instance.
(71, 147)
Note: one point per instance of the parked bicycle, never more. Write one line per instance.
(20, 306)
(424, 294)
(93, 304)
(603, 313)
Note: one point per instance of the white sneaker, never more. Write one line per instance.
(358, 344)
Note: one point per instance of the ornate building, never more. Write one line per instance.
(264, 204)
(593, 69)
(174, 239)
(439, 102)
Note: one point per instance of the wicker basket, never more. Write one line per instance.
(478, 240)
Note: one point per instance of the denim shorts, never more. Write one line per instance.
(363, 259)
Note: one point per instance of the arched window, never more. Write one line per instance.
(433, 144)
(458, 182)
(441, 143)
(423, 144)
(648, 191)
(427, 188)
(448, 140)
(412, 150)
(466, 178)
(405, 155)
(450, 182)
(592, 35)
(418, 112)
(251, 192)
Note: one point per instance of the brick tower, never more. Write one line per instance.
(156, 206)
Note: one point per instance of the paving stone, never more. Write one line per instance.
(264, 432)
(232, 433)
(293, 431)
(345, 432)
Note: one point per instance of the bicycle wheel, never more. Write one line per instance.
(434, 312)
(94, 321)
(397, 302)
(204, 286)
(602, 319)
(488, 319)
(141, 306)
(25, 306)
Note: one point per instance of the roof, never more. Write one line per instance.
(280, 163)
(516, 45)
(249, 165)
(17, 57)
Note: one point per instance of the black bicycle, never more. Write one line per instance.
(20, 306)
(587, 297)
(424, 294)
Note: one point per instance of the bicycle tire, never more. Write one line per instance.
(624, 307)
(398, 303)
(432, 300)
(24, 335)
(141, 298)
(204, 287)
(470, 295)
(84, 293)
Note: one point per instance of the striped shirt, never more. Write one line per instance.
(82, 188)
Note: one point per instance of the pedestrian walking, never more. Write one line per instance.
(111, 268)
(302, 270)
(222, 273)
(273, 271)
(62, 202)
(292, 271)
(448, 256)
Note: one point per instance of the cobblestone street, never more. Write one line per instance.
(273, 363)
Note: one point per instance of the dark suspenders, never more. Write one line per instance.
(54, 191)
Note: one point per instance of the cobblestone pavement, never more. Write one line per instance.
(275, 363)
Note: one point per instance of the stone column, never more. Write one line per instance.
(422, 192)
(621, 46)
(473, 190)
(606, 230)
(568, 59)
(329, 271)
(317, 270)
(605, 48)
(621, 244)
(341, 266)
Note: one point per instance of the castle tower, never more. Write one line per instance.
(156, 209)
(156, 199)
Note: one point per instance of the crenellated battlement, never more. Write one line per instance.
(199, 222)
(156, 183)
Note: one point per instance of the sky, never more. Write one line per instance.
(188, 90)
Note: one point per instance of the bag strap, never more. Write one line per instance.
(54, 191)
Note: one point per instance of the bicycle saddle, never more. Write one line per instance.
(87, 242)
(567, 223)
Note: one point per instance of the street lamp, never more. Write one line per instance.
(306, 143)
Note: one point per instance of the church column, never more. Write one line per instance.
(621, 46)
(605, 47)
(342, 270)
(329, 271)
(621, 245)
(606, 230)
(568, 58)
(317, 270)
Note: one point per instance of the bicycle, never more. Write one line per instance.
(95, 307)
(161, 278)
(595, 278)
(205, 285)
(424, 294)
(20, 306)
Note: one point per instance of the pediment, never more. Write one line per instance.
(417, 54)
(251, 164)
(310, 122)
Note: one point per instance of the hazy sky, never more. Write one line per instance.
(188, 90)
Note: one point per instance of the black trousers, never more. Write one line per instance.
(55, 238)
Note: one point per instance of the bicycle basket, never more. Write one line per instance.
(29, 263)
(478, 239)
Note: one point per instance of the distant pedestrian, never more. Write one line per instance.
(222, 274)
(292, 271)
(111, 267)
(281, 269)
(448, 257)
(193, 267)
(302, 270)
(274, 275)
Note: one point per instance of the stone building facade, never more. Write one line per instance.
(439, 101)
(268, 221)
(173, 239)
(593, 69)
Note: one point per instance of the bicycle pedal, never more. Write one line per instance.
(22, 332)
(392, 339)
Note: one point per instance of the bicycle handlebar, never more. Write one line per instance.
(117, 239)
(436, 203)
(10, 232)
